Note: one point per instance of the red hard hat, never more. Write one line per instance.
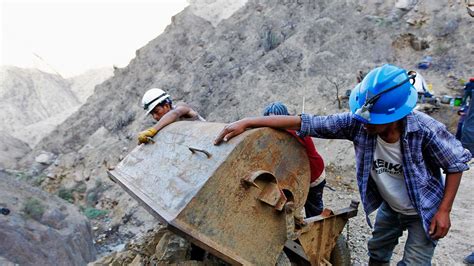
(471, 79)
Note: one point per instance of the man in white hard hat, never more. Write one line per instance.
(158, 103)
(420, 85)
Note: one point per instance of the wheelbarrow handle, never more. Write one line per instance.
(194, 150)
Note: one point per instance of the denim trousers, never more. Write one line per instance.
(314, 203)
(389, 226)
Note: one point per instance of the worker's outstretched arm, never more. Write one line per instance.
(170, 117)
(173, 116)
(276, 121)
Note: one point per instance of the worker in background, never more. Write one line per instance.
(467, 136)
(158, 104)
(399, 152)
(314, 202)
(420, 86)
(467, 140)
(360, 76)
(462, 112)
(468, 88)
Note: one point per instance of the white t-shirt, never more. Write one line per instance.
(420, 84)
(387, 172)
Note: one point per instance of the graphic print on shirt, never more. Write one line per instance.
(381, 166)
(387, 173)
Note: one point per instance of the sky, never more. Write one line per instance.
(71, 36)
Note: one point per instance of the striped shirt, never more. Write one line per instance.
(426, 148)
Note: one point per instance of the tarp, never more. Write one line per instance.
(425, 62)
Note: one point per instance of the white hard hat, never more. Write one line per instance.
(152, 98)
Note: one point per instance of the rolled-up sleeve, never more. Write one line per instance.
(337, 126)
(305, 126)
(448, 152)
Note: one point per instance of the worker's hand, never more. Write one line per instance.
(230, 131)
(440, 225)
(144, 135)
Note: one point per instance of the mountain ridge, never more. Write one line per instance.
(35, 101)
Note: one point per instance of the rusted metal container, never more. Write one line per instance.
(237, 200)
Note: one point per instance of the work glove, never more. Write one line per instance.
(144, 135)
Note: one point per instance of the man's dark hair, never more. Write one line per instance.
(165, 101)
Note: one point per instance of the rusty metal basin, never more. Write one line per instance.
(227, 199)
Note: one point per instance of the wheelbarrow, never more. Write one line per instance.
(240, 201)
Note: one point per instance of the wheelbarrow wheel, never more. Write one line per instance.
(341, 255)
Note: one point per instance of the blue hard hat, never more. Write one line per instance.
(385, 95)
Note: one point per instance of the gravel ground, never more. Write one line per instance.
(450, 251)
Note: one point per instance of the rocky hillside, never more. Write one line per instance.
(11, 150)
(41, 229)
(304, 53)
(83, 85)
(33, 103)
(275, 51)
(30, 95)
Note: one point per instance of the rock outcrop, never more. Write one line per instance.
(11, 150)
(83, 85)
(41, 229)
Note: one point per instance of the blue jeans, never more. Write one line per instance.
(314, 203)
(459, 131)
(389, 226)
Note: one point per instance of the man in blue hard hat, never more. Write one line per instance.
(399, 153)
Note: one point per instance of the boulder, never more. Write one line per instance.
(45, 158)
(405, 4)
(42, 229)
(172, 249)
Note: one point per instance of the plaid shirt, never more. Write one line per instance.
(426, 147)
